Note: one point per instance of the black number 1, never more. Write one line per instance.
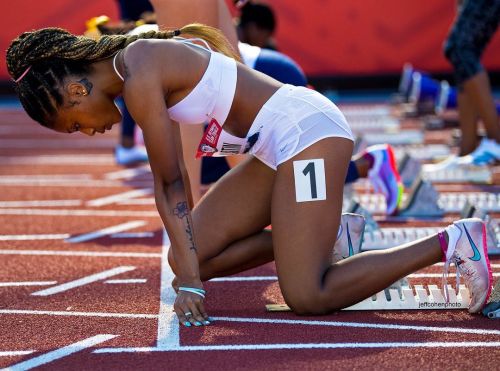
(312, 171)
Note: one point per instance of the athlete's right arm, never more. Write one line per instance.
(163, 143)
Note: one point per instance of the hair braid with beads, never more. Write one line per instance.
(40, 60)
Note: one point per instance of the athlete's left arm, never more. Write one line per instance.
(163, 143)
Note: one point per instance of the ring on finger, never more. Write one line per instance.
(188, 314)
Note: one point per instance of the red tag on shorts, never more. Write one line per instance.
(208, 142)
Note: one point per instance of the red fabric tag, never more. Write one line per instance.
(208, 142)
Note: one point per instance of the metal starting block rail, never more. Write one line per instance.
(423, 298)
(448, 202)
(396, 138)
(370, 124)
(385, 238)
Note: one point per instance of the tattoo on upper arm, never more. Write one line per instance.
(88, 85)
(182, 212)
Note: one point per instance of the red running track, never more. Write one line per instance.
(95, 303)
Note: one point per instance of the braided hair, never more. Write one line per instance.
(38, 61)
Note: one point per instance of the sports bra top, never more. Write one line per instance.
(212, 96)
(210, 102)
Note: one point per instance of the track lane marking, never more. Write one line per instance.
(108, 200)
(83, 281)
(27, 283)
(35, 203)
(60, 353)
(33, 237)
(168, 324)
(194, 348)
(271, 321)
(127, 281)
(96, 254)
(106, 231)
(80, 212)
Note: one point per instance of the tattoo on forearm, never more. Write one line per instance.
(189, 232)
(182, 212)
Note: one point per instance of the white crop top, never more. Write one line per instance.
(210, 102)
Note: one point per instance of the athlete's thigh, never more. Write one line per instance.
(238, 205)
(306, 209)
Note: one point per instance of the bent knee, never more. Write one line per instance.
(313, 303)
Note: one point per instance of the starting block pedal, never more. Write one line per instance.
(422, 201)
(421, 298)
(355, 208)
(408, 168)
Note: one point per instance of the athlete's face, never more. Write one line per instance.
(86, 109)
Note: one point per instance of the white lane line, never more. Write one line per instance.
(77, 314)
(36, 203)
(138, 201)
(127, 281)
(200, 348)
(92, 183)
(27, 283)
(15, 353)
(34, 177)
(260, 320)
(83, 281)
(105, 213)
(108, 200)
(128, 173)
(33, 237)
(72, 159)
(133, 235)
(168, 324)
(359, 325)
(106, 231)
(94, 254)
(61, 352)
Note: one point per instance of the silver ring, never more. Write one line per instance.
(187, 314)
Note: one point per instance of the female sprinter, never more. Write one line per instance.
(300, 145)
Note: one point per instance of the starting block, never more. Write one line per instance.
(422, 201)
(384, 238)
(423, 152)
(423, 298)
(355, 208)
(407, 168)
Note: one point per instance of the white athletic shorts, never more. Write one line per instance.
(293, 119)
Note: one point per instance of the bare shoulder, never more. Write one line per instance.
(142, 60)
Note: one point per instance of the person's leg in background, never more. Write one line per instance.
(173, 14)
(474, 27)
(126, 152)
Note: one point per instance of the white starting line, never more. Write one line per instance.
(33, 237)
(15, 353)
